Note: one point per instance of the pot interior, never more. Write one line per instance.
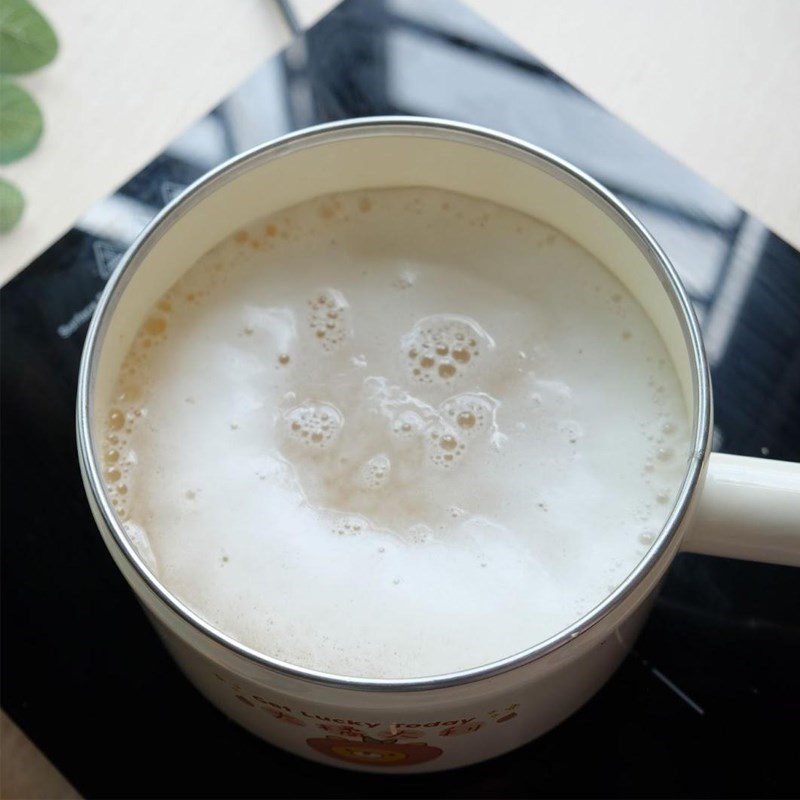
(387, 153)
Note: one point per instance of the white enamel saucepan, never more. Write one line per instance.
(727, 506)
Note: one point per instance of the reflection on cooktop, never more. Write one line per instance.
(712, 685)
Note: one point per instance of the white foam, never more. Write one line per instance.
(290, 476)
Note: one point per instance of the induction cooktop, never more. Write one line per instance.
(706, 705)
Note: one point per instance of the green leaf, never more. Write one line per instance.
(27, 41)
(11, 205)
(20, 122)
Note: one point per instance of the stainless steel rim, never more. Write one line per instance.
(393, 126)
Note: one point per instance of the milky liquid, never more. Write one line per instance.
(395, 434)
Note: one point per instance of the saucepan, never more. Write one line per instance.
(726, 506)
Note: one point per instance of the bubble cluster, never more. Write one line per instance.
(444, 446)
(314, 425)
(469, 413)
(118, 459)
(374, 473)
(129, 407)
(349, 524)
(329, 318)
(441, 435)
(441, 348)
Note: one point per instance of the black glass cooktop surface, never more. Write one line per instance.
(708, 703)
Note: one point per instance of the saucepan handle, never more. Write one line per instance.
(750, 508)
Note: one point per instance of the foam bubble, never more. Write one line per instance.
(406, 414)
(441, 348)
(471, 413)
(408, 425)
(406, 279)
(374, 473)
(313, 425)
(444, 445)
(329, 318)
(647, 538)
(419, 533)
(665, 453)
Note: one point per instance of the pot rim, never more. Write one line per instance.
(393, 126)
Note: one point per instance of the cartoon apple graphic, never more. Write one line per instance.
(374, 753)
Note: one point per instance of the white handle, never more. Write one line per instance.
(750, 508)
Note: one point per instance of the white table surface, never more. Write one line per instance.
(714, 82)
